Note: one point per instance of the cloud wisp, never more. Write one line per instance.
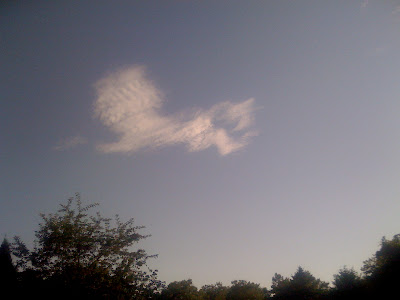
(129, 104)
(396, 13)
(70, 142)
(364, 4)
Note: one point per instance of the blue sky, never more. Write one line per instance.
(249, 137)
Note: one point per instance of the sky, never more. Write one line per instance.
(248, 137)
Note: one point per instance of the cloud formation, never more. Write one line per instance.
(396, 13)
(364, 4)
(129, 104)
(70, 142)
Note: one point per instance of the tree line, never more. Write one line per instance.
(87, 256)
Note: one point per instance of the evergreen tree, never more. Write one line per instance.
(8, 273)
(347, 284)
(302, 285)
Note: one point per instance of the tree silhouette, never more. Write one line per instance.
(8, 272)
(382, 270)
(214, 291)
(280, 286)
(182, 290)
(242, 289)
(82, 255)
(347, 284)
(302, 285)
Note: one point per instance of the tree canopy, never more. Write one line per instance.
(78, 254)
(83, 254)
(242, 289)
(8, 272)
(182, 290)
(382, 270)
(302, 285)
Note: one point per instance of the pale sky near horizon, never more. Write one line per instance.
(249, 137)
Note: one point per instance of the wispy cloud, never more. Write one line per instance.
(70, 142)
(364, 3)
(377, 52)
(129, 104)
(396, 13)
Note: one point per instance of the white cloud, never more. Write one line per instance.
(70, 142)
(130, 105)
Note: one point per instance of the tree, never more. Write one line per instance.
(85, 255)
(382, 270)
(280, 286)
(182, 290)
(302, 285)
(346, 279)
(347, 284)
(8, 272)
(385, 259)
(241, 290)
(214, 291)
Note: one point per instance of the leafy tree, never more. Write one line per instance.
(8, 272)
(346, 279)
(214, 291)
(348, 284)
(280, 286)
(241, 290)
(182, 290)
(84, 255)
(382, 270)
(302, 285)
(385, 259)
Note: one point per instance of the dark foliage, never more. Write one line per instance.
(8, 272)
(82, 256)
(214, 291)
(183, 290)
(383, 270)
(78, 255)
(242, 289)
(302, 285)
